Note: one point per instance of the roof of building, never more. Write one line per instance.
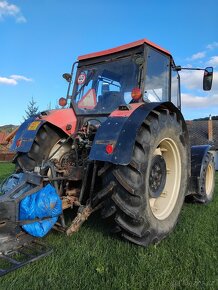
(2, 137)
(121, 48)
(198, 133)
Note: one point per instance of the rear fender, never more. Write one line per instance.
(198, 154)
(120, 130)
(63, 119)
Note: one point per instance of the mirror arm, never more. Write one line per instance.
(179, 68)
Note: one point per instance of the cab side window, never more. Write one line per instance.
(175, 91)
(157, 77)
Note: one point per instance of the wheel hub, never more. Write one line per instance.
(157, 177)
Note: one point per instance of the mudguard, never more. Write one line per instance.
(26, 134)
(63, 119)
(198, 153)
(120, 131)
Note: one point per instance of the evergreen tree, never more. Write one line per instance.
(32, 109)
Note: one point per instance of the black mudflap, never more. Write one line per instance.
(22, 256)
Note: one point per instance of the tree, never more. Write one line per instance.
(32, 109)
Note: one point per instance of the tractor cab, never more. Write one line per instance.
(140, 71)
(137, 72)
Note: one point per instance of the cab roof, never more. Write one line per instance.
(121, 48)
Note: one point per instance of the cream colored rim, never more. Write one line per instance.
(63, 149)
(163, 205)
(209, 179)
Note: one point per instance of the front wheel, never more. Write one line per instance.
(206, 181)
(148, 193)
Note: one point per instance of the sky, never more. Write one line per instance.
(39, 41)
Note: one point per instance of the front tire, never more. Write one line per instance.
(148, 193)
(206, 181)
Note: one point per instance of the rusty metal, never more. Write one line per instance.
(81, 217)
(11, 135)
(69, 201)
(74, 192)
(79, 220)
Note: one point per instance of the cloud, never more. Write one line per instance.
(20, 78)
(192, 101)
(202, 54)
(7, 9)
(194, 80)
(212, 45)
(191, 79)
(198, 55)
(213, 61)
(13, 80)
(7, 81)
(192, 84)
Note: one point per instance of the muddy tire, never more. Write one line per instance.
(45, 141)
(148, 194)
(207, 181)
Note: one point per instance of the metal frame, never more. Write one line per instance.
(31, 252)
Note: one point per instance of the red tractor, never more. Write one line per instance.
(121, 145)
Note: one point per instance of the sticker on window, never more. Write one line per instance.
(81, 78)
(88, 101)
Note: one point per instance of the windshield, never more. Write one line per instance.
(102, 87)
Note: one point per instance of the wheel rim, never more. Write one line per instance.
(163, 205)
(157, 177)
(209, 179)
(57, 151)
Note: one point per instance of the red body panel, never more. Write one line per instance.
(122, 47)
(126, 113)
(64, 119)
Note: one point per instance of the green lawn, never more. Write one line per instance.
(93, 259)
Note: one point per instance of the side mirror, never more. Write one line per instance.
(208, 78)
(67, 77)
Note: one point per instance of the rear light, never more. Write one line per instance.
(18, 142)
(62, 102)
(136, 94)
(109, 148)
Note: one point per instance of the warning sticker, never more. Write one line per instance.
(88, 101)
(81, 78)
(33, 126)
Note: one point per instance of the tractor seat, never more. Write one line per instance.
(110, 100)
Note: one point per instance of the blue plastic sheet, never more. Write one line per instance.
(42, 204)
(14, 181)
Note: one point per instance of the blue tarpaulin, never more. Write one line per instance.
(12, 181)
(45, 203)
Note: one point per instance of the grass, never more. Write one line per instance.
(93, 259)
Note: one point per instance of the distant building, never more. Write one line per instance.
(5, 142)
(204, 132)
(2, 137)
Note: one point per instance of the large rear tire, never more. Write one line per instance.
(148, 193)
(45, 144)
